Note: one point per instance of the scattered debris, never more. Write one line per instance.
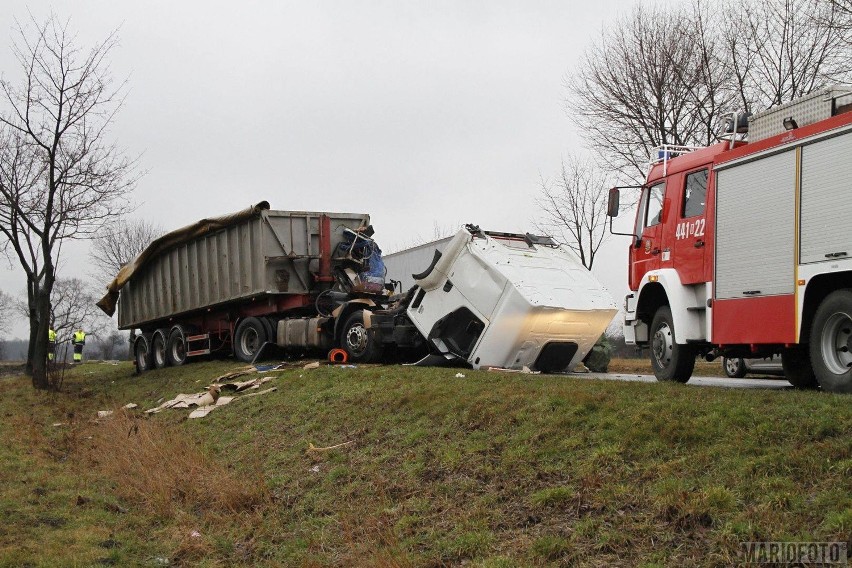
(195, 534)
(313, 448)
(525, 370)
(104, 413)
(186, 400)
(270, 389)
(460, 376)
(58, 424)
(244, 385)
(315, 469)
(130, 406)
(314, 365)
(580, 368)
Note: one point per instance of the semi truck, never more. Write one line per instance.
(744, 248)
(316, 282)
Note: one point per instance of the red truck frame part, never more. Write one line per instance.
(744, 248)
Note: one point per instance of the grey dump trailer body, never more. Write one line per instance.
(273, 253)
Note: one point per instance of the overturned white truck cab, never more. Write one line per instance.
(506, 300)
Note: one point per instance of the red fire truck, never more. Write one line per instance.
(744, 248)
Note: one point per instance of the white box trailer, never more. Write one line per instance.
(506, 300)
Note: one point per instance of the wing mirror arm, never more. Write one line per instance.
(612, 208)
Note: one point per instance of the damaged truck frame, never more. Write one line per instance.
(315, 282)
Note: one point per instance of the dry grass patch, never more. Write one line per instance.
(163, 469)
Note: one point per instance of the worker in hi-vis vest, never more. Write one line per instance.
(51, 344)
(79, 340)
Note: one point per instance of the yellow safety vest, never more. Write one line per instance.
(51, 336)
(79, 337)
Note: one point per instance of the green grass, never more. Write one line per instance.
(490, 470)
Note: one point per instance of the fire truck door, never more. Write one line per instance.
(648, 246)
(691, 228)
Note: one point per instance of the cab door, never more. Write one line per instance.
(691, 227)
(645, 253)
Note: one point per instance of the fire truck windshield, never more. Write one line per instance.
(650, 208)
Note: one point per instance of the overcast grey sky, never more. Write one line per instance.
(418, 113)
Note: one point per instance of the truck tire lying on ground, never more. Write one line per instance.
(358, 342)
(671, 361)
(797, 368)
(831, 342)
(249, 337)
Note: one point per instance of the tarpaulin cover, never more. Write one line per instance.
(168, 241)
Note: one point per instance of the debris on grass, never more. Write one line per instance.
(314, 365)
(525, 370)
(104, 413)
(460, 375)
(130, 406)
(313, 448)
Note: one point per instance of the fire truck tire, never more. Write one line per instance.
(831, 342)
(158, 349)
(671, 361)
(797, 368)
(734, 367)
(358, 342)
(249, 338)
(142, 353)
(176, 348)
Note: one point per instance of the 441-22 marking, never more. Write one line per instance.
(688, 229)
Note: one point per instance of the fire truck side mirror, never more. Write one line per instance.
(612, 204)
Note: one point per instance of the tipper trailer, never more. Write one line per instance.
(744, 248)
(314, 281)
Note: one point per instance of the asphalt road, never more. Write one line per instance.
(719, 382)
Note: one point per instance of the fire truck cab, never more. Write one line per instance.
(744, 248)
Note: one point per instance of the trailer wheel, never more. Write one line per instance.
(158, 349)
(831, 342)
(358, 342)
(248, 339)
(798, 371)
(142, 353)
(176, 348)
(734, 367)
(671, 361)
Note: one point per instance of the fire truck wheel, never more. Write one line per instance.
(831, 342)
(248, 339)
(158, 349)
(671, 361)
(176, 348)
(797, 368)
(142, 353)
(358, 343)
(734, 367)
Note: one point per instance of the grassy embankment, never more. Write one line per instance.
(490, 469)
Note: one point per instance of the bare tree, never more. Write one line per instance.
(653, 78)
(574, 208)
(120, 243)
(666, 75)
(783, 49)
(60, 177)
(6, 311)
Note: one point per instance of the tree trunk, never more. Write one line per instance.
(39, 351)
(31, 302)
